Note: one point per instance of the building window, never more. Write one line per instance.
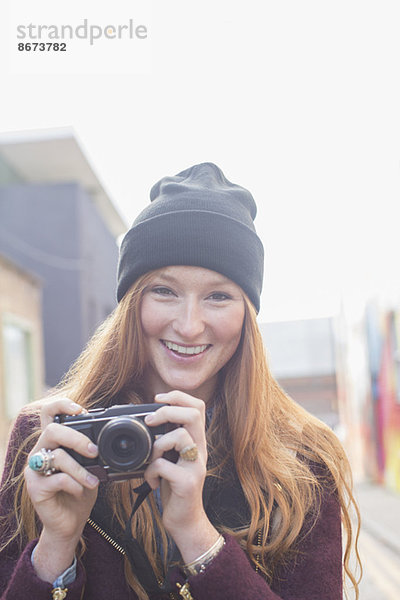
(17, 365)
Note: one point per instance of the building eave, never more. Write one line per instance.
(56, 155)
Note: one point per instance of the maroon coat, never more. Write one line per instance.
(314, 572)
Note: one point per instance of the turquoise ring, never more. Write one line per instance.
(42, 462)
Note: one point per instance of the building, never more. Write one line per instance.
(58, 224)
(322, 364)
(302, 358)
(21, 343)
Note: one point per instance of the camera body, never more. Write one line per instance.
(124, 440)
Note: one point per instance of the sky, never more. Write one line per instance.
(297, 101)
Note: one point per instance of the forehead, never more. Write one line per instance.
(200, 275)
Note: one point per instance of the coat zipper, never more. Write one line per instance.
(116, 546)
(106, 536)
(258, 556)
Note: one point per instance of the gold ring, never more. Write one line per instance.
(189, 453)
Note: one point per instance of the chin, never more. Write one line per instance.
(184, 386)
(188, 387)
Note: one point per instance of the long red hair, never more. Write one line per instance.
(273, 440)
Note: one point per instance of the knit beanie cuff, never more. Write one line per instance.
(193, 238)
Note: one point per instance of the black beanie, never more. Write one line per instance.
(196, 218)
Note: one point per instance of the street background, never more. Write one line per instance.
(379, 542)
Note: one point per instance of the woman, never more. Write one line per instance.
(253, 506)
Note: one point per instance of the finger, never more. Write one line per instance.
(184, 481)
(191, 418)
(42, 488)
(178, 398)
(51, 408)
(56, 435)
(178, 439)
(66, 464)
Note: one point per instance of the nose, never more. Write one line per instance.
(189, 322)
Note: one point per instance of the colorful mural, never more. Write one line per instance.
(383, 334)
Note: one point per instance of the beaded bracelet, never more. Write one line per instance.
(198, 565)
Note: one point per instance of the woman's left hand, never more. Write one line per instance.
(182, 483)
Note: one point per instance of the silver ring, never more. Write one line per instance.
(42, 462)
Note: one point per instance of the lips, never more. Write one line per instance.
(185, 350)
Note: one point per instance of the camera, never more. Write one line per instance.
(124, 440)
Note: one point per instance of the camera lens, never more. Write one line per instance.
(123, 446)
(124, 443)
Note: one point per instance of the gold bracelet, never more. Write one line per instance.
(199, 564)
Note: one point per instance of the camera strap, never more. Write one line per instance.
(137, 556)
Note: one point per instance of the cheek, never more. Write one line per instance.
(230, 328)
(150, 319)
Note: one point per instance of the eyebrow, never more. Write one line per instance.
(211, 283)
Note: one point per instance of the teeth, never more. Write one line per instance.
(186, 349)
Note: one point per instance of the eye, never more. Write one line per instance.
(162, 291)
(219, 296)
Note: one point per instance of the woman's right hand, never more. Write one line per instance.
(63, 501)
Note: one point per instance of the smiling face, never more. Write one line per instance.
(192, 321)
